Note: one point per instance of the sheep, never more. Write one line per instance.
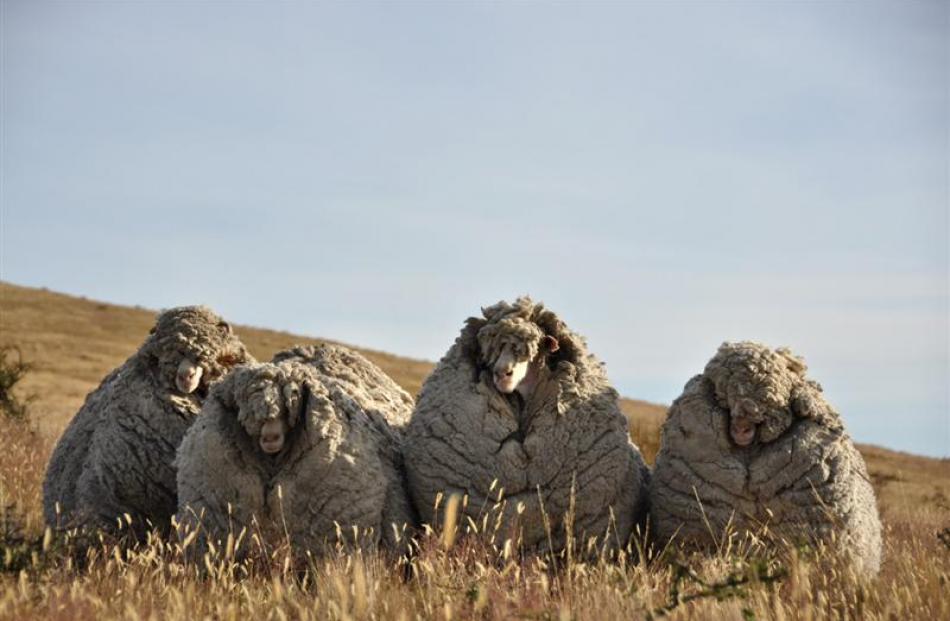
(520, 419)
(114, 460)
(388, 407)
(753, 446)
(304, 450)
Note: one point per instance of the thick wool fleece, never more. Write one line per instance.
(801, 477)
(115, 457)
(338, 478)
(388, 408)
(567, 443)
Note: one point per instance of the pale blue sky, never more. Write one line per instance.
(665, 175)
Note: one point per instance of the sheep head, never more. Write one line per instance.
(192, 348)
(514, 349)
(268, 400)
(759, 388)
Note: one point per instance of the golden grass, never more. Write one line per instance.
(457, 576)
(75, 342)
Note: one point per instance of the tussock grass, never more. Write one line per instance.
(457, 570)
(12, 371)
(469, 580)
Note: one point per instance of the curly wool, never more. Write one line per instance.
(338, 479)
(115, 456)
(376, 392)
(388, 408)
(506, 329)
(802, 477)
(565, 452)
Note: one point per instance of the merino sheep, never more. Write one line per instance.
(752, 443)
(520, 420)
(306, 447)
(114, 461)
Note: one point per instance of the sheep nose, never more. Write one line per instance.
(270, 438)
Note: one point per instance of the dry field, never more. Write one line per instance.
(73, 342)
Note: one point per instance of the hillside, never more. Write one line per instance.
(73, 342)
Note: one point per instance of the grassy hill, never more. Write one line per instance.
(73, 342)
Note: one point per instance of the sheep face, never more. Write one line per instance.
(513, 349)
(269, 408)
(185, 370)
(762, 416)
(192, 348)
(767, 406)
(744, 421)
(188, 376)
(273, 433)
(510, 367)
(755, 385)
(189, 370)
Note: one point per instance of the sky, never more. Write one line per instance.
(665, 175)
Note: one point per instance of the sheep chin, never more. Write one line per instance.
(508, 372)
(272, 447)
(743, 440)
(505, 385)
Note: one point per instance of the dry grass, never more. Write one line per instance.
(75, 342)
(461, 576)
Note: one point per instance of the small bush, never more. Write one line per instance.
(12, 370)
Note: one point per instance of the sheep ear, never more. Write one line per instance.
(225, 327)
(551, 343)
(318, 408)
(229, 359)
(805, 403)
(485, 336)
(227, 391)
(716, 376)
(242, 415)
(291, 401)
(295, 399)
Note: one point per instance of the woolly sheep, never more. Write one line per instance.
(751, 443)
(305, 447)
(518, 410)
(115, 457)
